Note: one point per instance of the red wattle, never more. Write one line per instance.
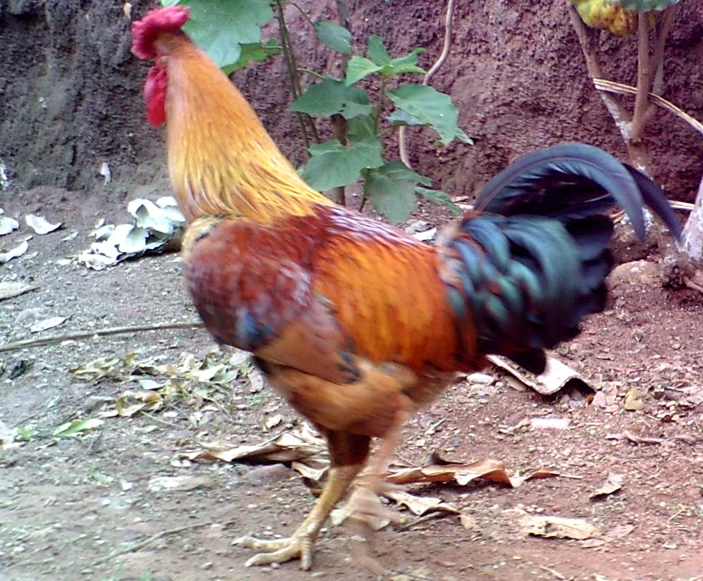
(155, 95)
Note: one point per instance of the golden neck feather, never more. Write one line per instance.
(221, 159)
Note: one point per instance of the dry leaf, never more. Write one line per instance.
(462, 474)
(555, 526)
(47, 324)
(620, 531)
(612, 484)
(285, 447)
(633, 400)
(9, 290)
(272, 422)
(40, 224)
(183, 483)
(468, 522)
(7, 224)
(549, 423)
(15, 252)
(419, 505)
(556, 375)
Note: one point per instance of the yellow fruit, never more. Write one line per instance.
(609, 15)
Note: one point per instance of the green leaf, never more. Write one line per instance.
(404, 64)
(377, 51)
(429, 106)
(400, 117)
(334, 36)
(75, 427)
(461, 136)
(332, 165)
(220, 28)
(439, 197)
(360, 127)
(358, 68)
(647, 5)
(253, 52)
(391, 189)
(332, 96)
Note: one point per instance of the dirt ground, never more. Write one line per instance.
(87, 507)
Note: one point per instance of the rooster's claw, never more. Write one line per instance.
(279, 550)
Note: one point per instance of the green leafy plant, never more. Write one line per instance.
(360, 124)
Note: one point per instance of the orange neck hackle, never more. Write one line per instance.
(221, 159)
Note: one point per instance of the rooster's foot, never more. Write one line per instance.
(299, 546)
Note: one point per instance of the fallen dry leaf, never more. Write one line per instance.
(174, 483)
(40, 225)
(47, 324)
(612, 484)
(462, 474)
(556, 375)
(15, 252)
(633, 400)
(9, 290)
(549, 423)
(468, 522)
(419, 505)
(285, 447)
(557, 527)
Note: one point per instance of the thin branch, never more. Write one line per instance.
(31, 343)
(435, 67)
(667, 22)
(657, 60)
(616, 109)
(644, 80)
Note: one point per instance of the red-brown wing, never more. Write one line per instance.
(315, 292)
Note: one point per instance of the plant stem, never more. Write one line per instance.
(644, 78)
(289, 56)
(623, 121)
(310, 22)
(402, 149)
(381, 106)
(338, 122)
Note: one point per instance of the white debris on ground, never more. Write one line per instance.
(156, 224)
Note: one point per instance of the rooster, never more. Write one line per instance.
(356, 323)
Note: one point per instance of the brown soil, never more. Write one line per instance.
(68, 503)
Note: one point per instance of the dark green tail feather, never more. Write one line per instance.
(533, 264)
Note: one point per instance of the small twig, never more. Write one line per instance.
(31, 343)
(158, 420)
(146, 542)
(552, 571)
(435, 67)
(644, 79)
(424, 518)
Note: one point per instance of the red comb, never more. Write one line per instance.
(146, 30)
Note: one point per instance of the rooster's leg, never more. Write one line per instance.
(347, 453)
(364, 502)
